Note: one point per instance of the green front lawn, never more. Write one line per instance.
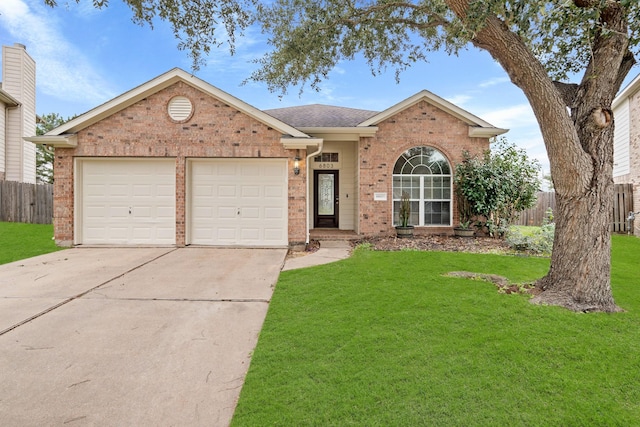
(383, 338)
(19, 241)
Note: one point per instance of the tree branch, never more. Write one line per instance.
(549, 106)
(385, 14)
(628, 61)
(567, 92)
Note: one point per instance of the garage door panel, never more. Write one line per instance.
(248, 191)
(166, 190)
(225, 191)
(250, 198)
(273, 213)
(225, 212)
(249, 213)
(273, 191)
(128, 201)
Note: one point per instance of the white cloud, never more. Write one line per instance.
(495, 81)
(519, 115)
(62, 70)
(460, 100)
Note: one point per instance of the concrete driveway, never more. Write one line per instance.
(130, 336)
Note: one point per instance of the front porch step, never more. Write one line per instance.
(328, 234)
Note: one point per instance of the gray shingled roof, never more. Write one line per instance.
(318, 115)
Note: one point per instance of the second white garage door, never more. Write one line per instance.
(238, 202)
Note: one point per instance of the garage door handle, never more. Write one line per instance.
(129, 211)
(238, 211)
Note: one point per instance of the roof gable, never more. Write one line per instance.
(162, 82)
(477, 126)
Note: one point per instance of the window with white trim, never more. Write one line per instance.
(425, 175)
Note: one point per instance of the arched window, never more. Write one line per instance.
(423, 173)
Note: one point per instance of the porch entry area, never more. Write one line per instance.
(333, 187)
(327, 198)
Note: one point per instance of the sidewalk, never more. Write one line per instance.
(330, 251)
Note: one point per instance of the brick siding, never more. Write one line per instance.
(420, 125)
(144, 129)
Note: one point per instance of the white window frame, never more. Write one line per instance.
(421, 200)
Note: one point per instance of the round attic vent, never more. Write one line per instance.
(180, 108)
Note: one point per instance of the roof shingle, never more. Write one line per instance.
(318, 115)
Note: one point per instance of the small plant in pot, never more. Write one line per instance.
(464, 229)
(404, 230)
(466, 213)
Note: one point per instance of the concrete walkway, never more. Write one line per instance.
(330, 251)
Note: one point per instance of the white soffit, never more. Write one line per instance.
(299, 143)
(63, 141)
(341, 133)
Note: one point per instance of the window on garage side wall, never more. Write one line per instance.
(425, 174)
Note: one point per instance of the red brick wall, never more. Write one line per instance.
(419, 125)
(145, 130)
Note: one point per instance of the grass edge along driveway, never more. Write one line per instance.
(20, 241)
(385, 339)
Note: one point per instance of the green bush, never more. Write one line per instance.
(494, 188)
(539, 241)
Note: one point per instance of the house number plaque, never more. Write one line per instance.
(324, 166)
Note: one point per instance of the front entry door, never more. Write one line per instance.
(326, 199)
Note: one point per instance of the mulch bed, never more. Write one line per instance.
(438, 243)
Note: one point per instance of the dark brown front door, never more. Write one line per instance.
(326, 199)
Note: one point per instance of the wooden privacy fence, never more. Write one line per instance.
(622, 205)
(22, 202)
(536, 214)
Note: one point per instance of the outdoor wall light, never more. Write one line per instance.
(296, 165)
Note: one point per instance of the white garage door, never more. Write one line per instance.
(239, 202)
(128, 201)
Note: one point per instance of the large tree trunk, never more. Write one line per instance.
(579, 277)
(580, 150)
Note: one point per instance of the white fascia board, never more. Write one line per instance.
(432, 99)
(62, 141)
(341, 133)
(300, 143)
(159, 83)
(8, 100)
(627, 92)
(478, 132)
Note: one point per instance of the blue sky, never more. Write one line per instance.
(85, 57)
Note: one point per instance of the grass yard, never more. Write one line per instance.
(19, 241)
(384, 339)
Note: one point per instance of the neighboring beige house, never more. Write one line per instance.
(17, 115)
(626, 151)
(177, 161)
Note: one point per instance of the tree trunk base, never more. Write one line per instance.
(565, 300)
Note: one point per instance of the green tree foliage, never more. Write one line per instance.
(44, 155)
(498, 186)
(198, 25)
